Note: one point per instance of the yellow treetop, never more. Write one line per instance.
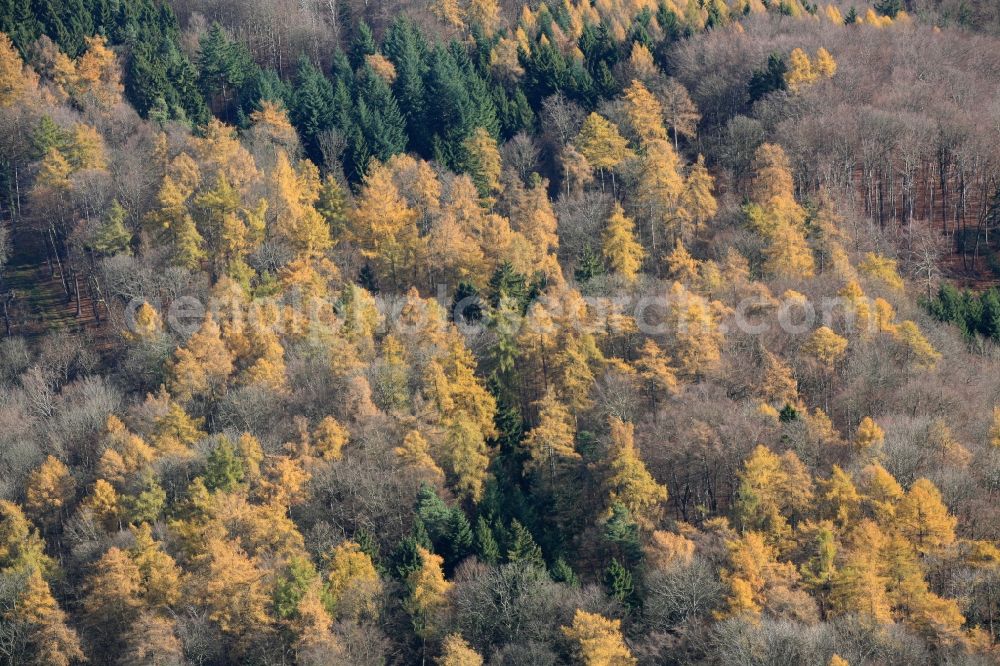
(644, 113)
(51, 640)
(777, 382)
(456, 652)
(112, 592)
(698, 200)
(16, 79)
(787, 253)
(231, 587)
(295, 193)
(601, 143)
(880, 492)
(825, 65)
(800, 71)
(918, 348)
(271, 121)
(598, 641)
(483, 161)
(98, 76)
(923, 518)
(883, 269)
(415, 452)
(772, 174)
(382, 67)
(485, 14)
(661, 190)
(103, 505)
(148, 324)
(329, 438)
(268, 367)
(551, 443)
(771, 488)
(428, 591)
(839, 498)
(125, 452)
(655, 369)
(620, 247)
(203, 365)
(353, 586)
(50, 489)
(640, 62)
(681, 266)
(694, 324)
(825, 346)
(754, 574)
(161, 577)
(859, 584)
(86, 150)
(448, 12)
(220, 151)
(869, 435)
(630, 482)
(384, 225)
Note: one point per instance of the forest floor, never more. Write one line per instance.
(40, 304)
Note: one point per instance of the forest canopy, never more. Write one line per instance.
(464, 332)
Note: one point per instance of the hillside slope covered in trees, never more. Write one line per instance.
(600, 333)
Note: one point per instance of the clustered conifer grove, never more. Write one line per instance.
(468, 332)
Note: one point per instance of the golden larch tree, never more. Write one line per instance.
(112, 592)
(630, 482)
(660, 191)
(601, 143)
(698, 200)
(859, 586)
(753, 575)
(483, 161)
(455, 651)
(50, 489)
(825, 347)
(880, 493)
(800, 70)
(160, 576)
(16, 78)
(428, 592)
(202, 366)
(772, 489)
(415, 453)
(681, 266)
(619, 246)
(152, 639)
(825, 65)
(869, 435)
(294, 195)
(693, 322)
(918, 348)
(485, 14)
(550, 444)
(230, 585)
(659, 377)
(353, 586)
(384, 225)
(923, 518)
(50, 639)
(598, 641)
(98, 78)
(645, 115)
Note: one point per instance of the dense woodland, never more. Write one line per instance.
(473, 333)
